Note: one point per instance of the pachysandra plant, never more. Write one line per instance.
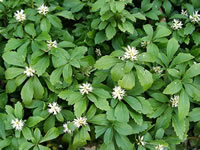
(108, 74)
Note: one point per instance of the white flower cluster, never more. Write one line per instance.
(85, 88)
(157, 69)
(66, 129)
(43, 9)
(176, 24)
(54, 108)
(29, 72)
(17, 124)
(159, 147)
(140, 141)
(195, 17)
(130, 53)
(145, 43)
(184, 12)
(118, 93)
(174, 100)
(98, 52)
(1, 0)
(20, 16)
(80, 122)
(51, 44)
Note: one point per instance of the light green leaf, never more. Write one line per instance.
(173, 88)
(145, 77)
(30, 29)
(179, 126)
(19, 111)
(110, 32)
(13, 44)
(32, 121)
(55, 21)
(161, 31)
(122, 112)
(106, 62)
(194, 114)
(27, 92)
(50, 135)
(172, 47)
(128, 81)
(45, 25)
(13, 58)
(38, 88)
(12, 72)
(183, 105)
(192, 71)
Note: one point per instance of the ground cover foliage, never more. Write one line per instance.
(114, 74)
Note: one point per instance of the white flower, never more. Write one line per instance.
(20, 16)
(66, 129)
(29, 72)
(17, 124)
(80, 122)
(159, 147)
(1, 0)
(157, 69)
(130, 53)
(140, 141)
(43, 9)
(118, 93)
(98, 52)
(176, 24)
(145, 43)
(174, 100)
(184, 12)
(51, 44)
(85, 88)
(54, 108)
(195, 17)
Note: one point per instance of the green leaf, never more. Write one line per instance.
(183, 105)
(26, 145)
(13, 58)
(189, 29)
(122, 112)
(123, 128)
(100, 37)
(128, 26)
(13, 44)
(55, 75)
(80, 107)
(172, 47)
(146, 57)
(66, 14)
(196, 37)
(145, 77)
(194, 114)
(67, 73)
(2, 129)
(38, 88)
(128, 81)
(173, 88)
(110, 32)
(108, 136)
(44, 36)
(41, 65)
(13, 72)
(134, 103)
(55, 21)
(161, 31)
(106, 62)
(19, 111)
(27, 133)
(179, 126)
(81, 137)
(102, 104)
(45, 26)
(30, 29)
(192, 71)
(32, 121)
(50, 135)
(27, 92)
(117, 72)
(123, 142)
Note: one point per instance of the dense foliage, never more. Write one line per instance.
(114, 74)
